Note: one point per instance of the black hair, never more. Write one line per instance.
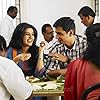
(86, 11)
(11, 9)
(2, 43)
(66, 23)
(92, 52)
(43, 29)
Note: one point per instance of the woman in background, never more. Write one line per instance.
(85, 71)
(23, 50)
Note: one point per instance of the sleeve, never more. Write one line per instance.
(41, 73)
(16, 84)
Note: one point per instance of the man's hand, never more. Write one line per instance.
(59, 57)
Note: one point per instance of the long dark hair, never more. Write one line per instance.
(92, 52)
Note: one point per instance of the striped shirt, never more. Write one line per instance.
(75, 52)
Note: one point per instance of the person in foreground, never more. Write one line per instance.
(85, 71)
(12, 81)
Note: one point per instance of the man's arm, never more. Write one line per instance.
(56, 73)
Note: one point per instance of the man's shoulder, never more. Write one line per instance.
(81, 38)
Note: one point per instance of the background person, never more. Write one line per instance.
(87, 15)
(6, 25)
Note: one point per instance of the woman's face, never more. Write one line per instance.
(28, 37)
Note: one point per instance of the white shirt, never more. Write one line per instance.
(7, 28)
(49, 46)
(12, 81)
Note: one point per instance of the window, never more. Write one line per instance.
(96, 7)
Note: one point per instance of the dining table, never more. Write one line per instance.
(52, 89)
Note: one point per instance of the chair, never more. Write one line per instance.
(90, 89)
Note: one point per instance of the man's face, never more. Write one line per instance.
(86, 20)
(61, 35)
(13, 14)
(49, 34)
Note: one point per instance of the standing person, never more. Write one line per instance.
(87, 16)
(6, 25)
(85, 72)
(23, 50)
(74, 45)
(20, 89)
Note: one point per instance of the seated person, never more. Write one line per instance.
(85, 72)
(72, 46)
(23, 50)
(12, 80)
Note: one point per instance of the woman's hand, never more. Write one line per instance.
(22, 57)
(42, 46)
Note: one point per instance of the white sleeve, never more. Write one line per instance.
(16, 84)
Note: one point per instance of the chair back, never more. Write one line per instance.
(90, 89)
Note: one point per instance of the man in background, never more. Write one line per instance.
(6, 25)
(87, 16)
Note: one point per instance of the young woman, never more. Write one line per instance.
(23, 50)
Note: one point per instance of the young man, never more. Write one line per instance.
(6, 25)
(12, 80)
(73, 45)
(87, 16)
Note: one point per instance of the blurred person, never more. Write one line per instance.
(23, 50)
(87, 15)
(20, 89)
(6, 25)
(85, 71)
(73, 45)
(48, 34)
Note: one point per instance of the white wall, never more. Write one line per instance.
(38, 12)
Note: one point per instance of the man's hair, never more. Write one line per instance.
(86, 11)
(66, 23)
(44, 27)
(11, 9)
